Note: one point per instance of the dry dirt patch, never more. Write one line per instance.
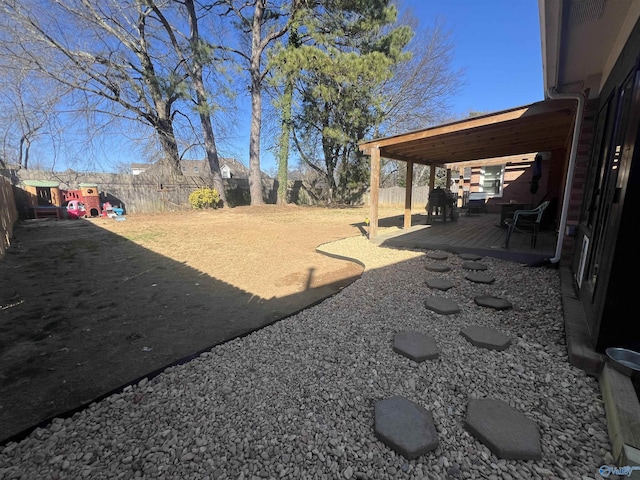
(87, 306)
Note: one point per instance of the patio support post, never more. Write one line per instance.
(375, 191)
(432, 177)
(408, 193)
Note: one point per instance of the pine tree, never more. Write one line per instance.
(347, 49)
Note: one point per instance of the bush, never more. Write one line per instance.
(204, 198)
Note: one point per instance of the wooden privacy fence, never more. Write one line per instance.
(153, 193)
(8, 214)
(144, 193)
(395, 196)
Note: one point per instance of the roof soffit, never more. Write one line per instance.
(581, 39)
(537, 127)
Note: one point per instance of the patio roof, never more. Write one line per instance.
(541, 126)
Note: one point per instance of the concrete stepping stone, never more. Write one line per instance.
(441, 305)
(504, 430)
(474, 266)
(416, 346)
(405, 426)
(437, 267)
(437, 255)
(496, 303)
(485, 337)
(439, 283)
(469, 256)
(479, 277)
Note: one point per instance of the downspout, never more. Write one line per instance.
(572, 165)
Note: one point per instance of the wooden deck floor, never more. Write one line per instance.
(476, 233)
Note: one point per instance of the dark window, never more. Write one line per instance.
(602, 141)
(608, 178)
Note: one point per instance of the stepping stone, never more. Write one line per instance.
(441, 305)
(437, 255)
(405, 426)
(439, 283)
(485, 337)
(438, 267)
(479, 277)
(416, 346)
(469, 256)
(504, 430)
(474, 266)
(496, 303)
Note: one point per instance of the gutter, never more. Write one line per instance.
(572, 164)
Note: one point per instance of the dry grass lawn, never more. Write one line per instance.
(269, 251)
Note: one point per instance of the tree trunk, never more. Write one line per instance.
(210, 146)
(330, 163)
(283, 152)
(27, 148)
(164, 129)
(22, 162)
(161, 121)
(255, 175)
(203, 104)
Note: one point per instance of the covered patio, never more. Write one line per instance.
(543, 126)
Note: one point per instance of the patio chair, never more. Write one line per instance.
(527, 221)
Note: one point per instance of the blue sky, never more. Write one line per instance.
(496, 43)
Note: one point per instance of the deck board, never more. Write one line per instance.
(478, 233)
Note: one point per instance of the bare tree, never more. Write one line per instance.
(29, 120)
(107, 51)
(418, 94)
(28, 111)
(262, 22)
(194, 57)
(419, 91)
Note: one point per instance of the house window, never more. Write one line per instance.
(466, 173)
(491, 181)
(195, 169)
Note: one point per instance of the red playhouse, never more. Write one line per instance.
(87, 195)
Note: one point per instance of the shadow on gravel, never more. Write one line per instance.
(84, 312)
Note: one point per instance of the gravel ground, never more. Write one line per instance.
(296, 399)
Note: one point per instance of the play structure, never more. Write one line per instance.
(109, 211)
(46, 199)
(88, 195)
(76, 209)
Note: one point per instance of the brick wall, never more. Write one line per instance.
(581, 170)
